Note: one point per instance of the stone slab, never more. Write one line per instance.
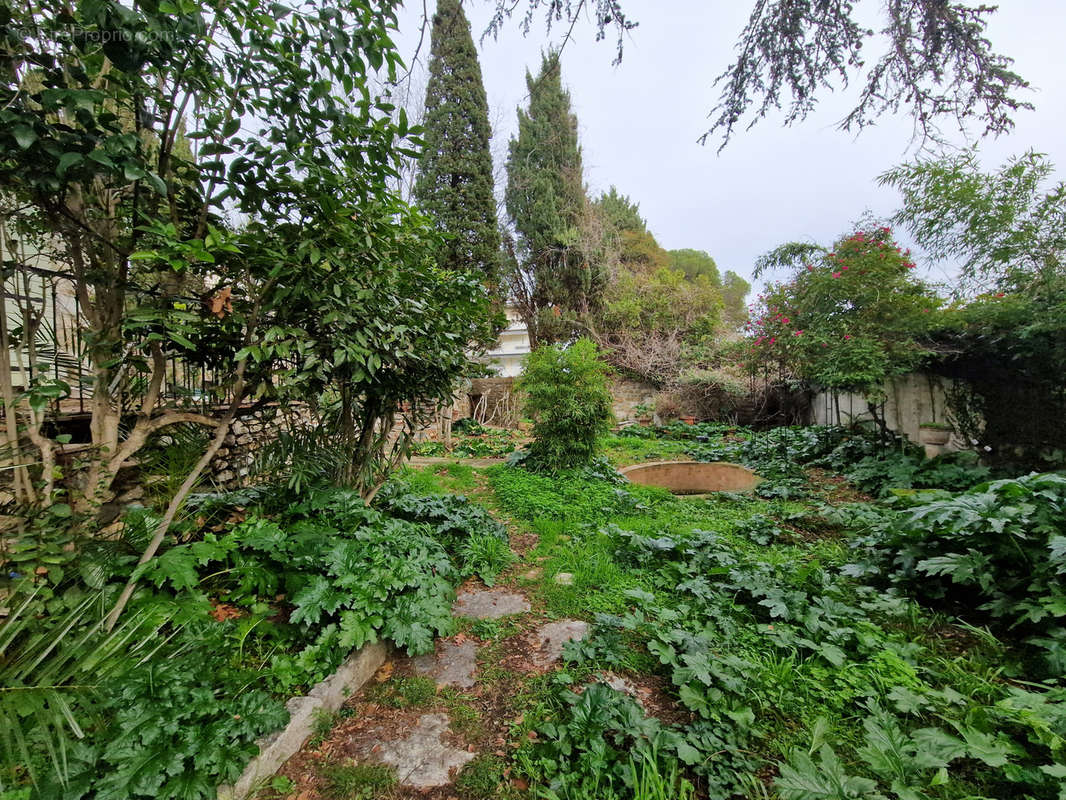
(328, 695)
(454, 664)
(551, 637)
(489, 604)
(424, 760)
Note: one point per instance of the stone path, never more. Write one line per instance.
(552, 636)
(424, 747)
(423, 760)
(489, 604)
(453, 664)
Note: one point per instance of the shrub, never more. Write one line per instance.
(567, 397)
(998, 547)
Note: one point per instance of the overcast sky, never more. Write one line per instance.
(639, 124)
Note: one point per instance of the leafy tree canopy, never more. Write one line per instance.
(1006, 228)
(734, 293)
(694, 263)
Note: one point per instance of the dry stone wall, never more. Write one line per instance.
(248, 435)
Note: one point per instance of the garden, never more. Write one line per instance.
(242, 286)
(867, 622)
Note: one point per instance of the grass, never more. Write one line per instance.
(484, 779)
(323, 722)
(625, 450)
(493, 629)
(404, 692)
(465, 719)
(892, 652)
(453, 478)
(357, 781)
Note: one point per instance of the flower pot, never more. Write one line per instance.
(645, 421)
(934, 435)
(689, 420)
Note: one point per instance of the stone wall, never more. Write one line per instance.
(491, 401)
(627, 394)
(248, 435)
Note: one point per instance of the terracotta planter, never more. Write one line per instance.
(689, 420)
(645, 421)
(934, 436)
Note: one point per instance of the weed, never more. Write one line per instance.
(322, 724)
(404, 692)
(357, 781)
(493, 629)
(485, 556)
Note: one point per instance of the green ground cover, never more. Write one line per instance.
(787, 629)
(809, 640)
(257, 596)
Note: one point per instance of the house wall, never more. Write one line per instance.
(512, 346)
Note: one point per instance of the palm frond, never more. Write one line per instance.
(51, 669)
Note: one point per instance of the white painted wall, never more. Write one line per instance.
(505, 359)
(911, 400)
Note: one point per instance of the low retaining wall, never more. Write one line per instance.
(693, 477)
(328, 695)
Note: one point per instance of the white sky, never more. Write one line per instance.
(639, 123)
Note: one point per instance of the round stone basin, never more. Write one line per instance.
(693, 477)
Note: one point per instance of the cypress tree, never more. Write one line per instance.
(455, 181)
(546, 200)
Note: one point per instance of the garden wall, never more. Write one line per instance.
(248, 435)
(627, 394)
(911, 400)
(492, 401)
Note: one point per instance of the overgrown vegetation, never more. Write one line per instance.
(793, 669)
(251, 606)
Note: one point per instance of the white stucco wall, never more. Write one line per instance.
(511, 347)
(911, 400)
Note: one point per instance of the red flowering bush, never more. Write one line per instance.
(848, 318)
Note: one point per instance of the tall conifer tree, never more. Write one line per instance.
(552, 281)
(455, 180)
